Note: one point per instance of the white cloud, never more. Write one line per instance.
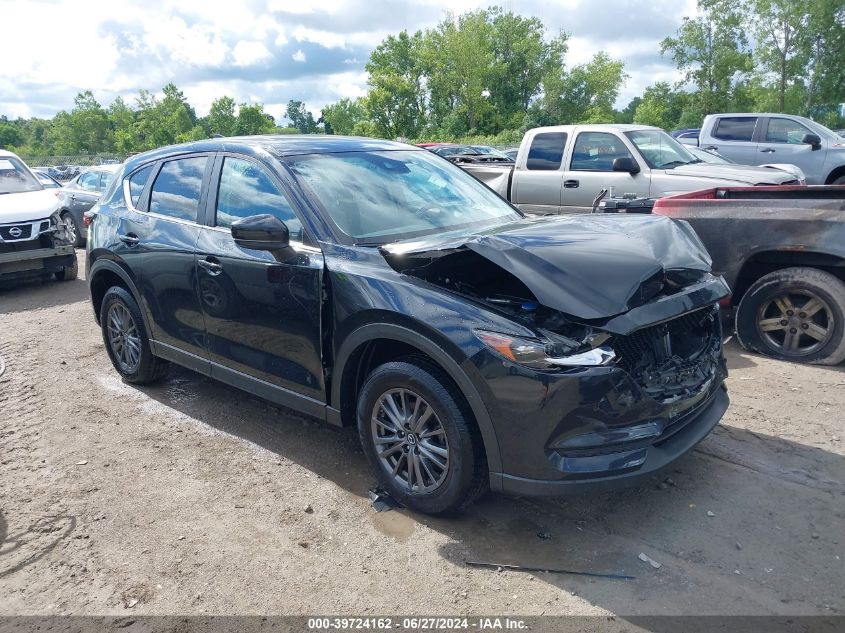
(323, 38)
(298, 56)
(250, 53)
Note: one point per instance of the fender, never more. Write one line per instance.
(112, 266)
(373, 331)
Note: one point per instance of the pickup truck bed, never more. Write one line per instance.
(782, 251)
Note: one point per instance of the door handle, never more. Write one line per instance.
(130, 239)
(211, 266)
(72, 196)
(711, 148)
(768, 150)
(571, 184)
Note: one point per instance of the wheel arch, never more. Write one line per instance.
(763, 262)
(374, 343)
(105, 274)
(836, 173)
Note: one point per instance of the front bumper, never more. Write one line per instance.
(627, 466)
(26, 263)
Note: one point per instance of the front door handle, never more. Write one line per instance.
(571, 184)
(130, 239)
(711, 148)
(768, 150)
(211, 266)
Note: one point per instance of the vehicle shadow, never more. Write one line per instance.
(39, 294)
(745, 524)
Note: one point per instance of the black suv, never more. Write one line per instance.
(373, 283)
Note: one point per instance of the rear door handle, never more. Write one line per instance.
(768, 150)
(571, 184)
(130, 239)
(210, 265)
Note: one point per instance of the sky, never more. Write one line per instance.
(272, 51)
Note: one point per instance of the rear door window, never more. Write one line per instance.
(546, 151)
(177, 188)
(739, 128)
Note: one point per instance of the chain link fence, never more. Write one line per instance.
(63, 168)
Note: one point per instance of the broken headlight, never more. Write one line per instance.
(548, 354)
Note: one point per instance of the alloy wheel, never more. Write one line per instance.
(410, 441)
(70, 227)
(797, 323)
(124, 338)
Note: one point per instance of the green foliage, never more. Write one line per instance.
(342, 117)
(253, 120)
(663, 107)
(300, 118)
(221, 117)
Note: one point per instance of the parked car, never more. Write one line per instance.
(470, 345)
(33, 239)
(562, 169)
(469, 153)
(511, 152)
(63, 173)
(755, 139)
(840, 132)
(782, 251)
(716, 158)
(79, 195)
(46, 180)
(688, 136)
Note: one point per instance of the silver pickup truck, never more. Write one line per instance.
(755, 139)
(561, 169)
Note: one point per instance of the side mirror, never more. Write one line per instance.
(261, 233)
(812, 139)
(626, 164)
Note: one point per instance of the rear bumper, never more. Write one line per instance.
(625, 467)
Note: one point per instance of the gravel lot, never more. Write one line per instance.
(191, 498)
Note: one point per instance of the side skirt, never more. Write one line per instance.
(260, 388)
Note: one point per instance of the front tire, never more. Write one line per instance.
(73, 231)
(69, 273)
(795, 314)
(420, 438)
(126, 339)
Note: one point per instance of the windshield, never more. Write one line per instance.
(660, 150)
(15, 177)
(490, 151)
(380, 197)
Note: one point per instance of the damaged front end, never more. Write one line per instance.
(627, 343)
(35, 248)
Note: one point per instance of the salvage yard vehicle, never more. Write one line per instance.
(33, 240)
(562, 169)
(782, 251)
(471, 346)
(79, 194)
(712, 156)
(755, 139)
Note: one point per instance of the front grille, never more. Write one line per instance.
(673, 360)
(44, 240)
(6, 232)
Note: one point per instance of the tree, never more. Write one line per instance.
(825, 81)
(661, 106)
(300, 118)
(396, 100)
(171, 120)
(782, 41)
(342, 117)
(122, 120)
(253, 120)
(10, 135)
(85, 129)
(711, 50)
(221, 117)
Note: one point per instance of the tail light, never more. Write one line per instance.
(87, 218)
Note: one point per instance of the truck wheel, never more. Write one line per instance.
(795, 314)
(420, 438)
(126, 339)
(839, 181)
(69, 273)
(72, 229)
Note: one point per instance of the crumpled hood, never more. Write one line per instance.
(28, 205)
(587, 266)
(737, 173)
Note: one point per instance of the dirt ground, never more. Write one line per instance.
(192, 498)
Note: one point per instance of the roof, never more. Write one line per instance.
(277, 144)
(622, 127)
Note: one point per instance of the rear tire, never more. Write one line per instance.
(795, 314)
(839, 181)
(69, 273)
(126, 339)
(438, 457)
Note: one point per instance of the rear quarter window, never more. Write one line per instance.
(546, 151)
(735, 128)
(136, 184)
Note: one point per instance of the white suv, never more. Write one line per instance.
(33, 239)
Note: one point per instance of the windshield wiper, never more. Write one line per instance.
(674, 163)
